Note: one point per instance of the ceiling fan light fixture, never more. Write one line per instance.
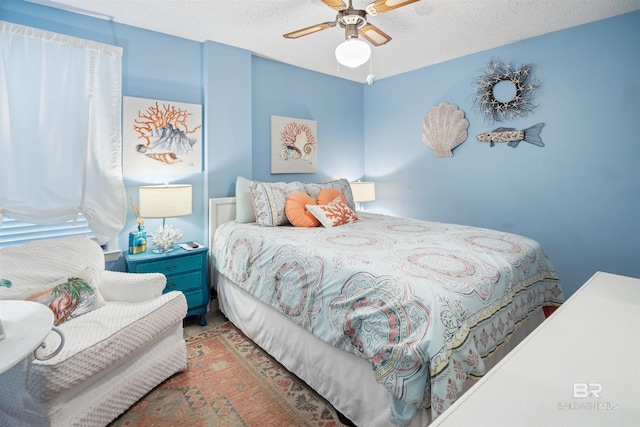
(353, 53)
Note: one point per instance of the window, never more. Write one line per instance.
(60, 135)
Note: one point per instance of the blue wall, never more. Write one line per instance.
(335, 104)
(579, 195)
(228, 117)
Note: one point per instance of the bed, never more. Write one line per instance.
(390, 319)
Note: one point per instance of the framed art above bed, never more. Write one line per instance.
(294, 145)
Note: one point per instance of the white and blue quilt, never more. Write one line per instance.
(422, 302)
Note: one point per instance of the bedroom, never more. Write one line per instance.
(578, 195)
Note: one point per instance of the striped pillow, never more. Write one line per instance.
(269, 199)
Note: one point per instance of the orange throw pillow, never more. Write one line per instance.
(296, 210)
(328, 195)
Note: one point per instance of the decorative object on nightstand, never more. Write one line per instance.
(363, 192)
(165, 201)
(185, 270)
(137, 239)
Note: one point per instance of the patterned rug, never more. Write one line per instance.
(230, 381)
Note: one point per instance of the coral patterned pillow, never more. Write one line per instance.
(297, 212)
(334, 214)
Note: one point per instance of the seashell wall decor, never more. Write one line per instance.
(444, 128)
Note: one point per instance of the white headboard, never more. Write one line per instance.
(221, 210)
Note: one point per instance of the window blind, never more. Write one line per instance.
(15, 232)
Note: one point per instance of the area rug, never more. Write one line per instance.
(230, 381)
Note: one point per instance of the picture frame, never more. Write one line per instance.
(161, 136)
(294, 147)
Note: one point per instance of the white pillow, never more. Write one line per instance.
(244, 205)
(334, 214)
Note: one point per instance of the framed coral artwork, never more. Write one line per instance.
(293, 145)
(161, 136)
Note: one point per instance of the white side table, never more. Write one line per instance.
(26, 325)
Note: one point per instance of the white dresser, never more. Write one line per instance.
(581, 367)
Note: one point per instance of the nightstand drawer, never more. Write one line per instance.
(171, 265)
(194, 298)
(185, 270)
(184, 282)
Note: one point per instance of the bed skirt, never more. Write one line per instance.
(343, 379)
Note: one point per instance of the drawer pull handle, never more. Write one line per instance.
(171, 285)
(171, 267)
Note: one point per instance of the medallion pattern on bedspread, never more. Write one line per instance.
(382, 322)
(293, 281)
(459, 272)
(514, 249)
(238, 265)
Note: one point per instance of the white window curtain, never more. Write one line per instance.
(60, 131)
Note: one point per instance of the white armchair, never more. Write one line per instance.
(112, 355)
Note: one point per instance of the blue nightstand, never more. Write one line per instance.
(186, 271)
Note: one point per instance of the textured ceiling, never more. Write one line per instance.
(424, 33)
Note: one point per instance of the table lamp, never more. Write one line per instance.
(363, 192)
(165, 201)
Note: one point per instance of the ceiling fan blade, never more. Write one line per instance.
(374, 35)
(381, 6)
(309, 30)
(335, 4)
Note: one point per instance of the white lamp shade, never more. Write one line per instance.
(165, 201)
(353, 53)
(363, 191)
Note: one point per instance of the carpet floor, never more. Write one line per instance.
(230, 381)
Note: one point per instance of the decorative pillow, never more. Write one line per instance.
(297, 212)
(269, 200)
(328, 195)
(69, 297)
(244, 206)
(334, 214)
(341, 184)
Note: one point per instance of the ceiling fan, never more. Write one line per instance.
(354, 22)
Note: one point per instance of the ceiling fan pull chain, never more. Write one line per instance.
(371, 78)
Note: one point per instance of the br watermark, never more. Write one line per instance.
(583, 390)
(584, 395)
